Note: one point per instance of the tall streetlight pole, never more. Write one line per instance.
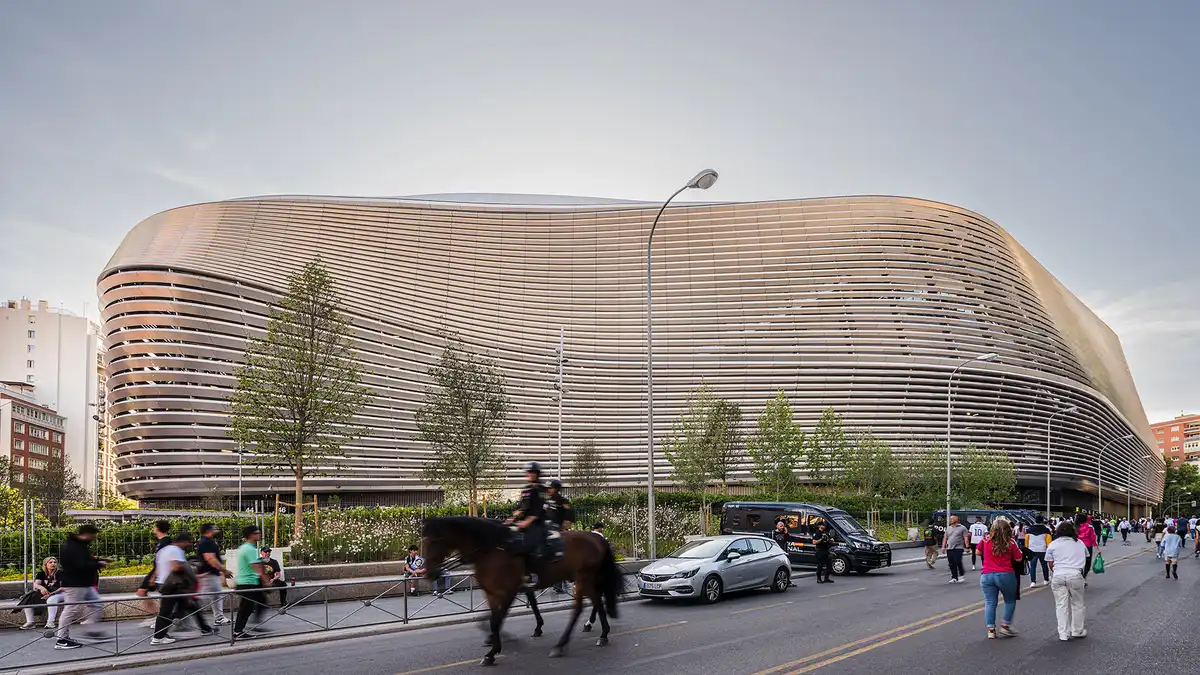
(1049, 422)
(949, 411)
(1099, 459)
(701, 181)
(559, 391)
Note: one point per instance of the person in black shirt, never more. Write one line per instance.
(559, 516)
(528, 519)
(782, 535)
(274, 575)
(823, 542)
(211, 571)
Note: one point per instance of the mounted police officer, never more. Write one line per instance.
(559, 518)
(529, 518)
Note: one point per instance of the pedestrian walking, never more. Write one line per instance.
(1181, 528)
(1124, 528)
(211, 572)
(954, 545)
(977, 532)
(1068, 558)
(1087, 535)
(1172, 544)
(79, 573)
(1037, 539)
(1001, 562)
(932, 541)
(251, 579)
(162, 537)
(1105, 532)
(176, 579)
(1160, 532)
(823, 542)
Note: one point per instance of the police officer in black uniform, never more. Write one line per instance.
(823, 542)
(559, 516)
(529, 518)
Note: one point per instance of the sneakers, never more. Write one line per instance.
(221, 620)
(449, 591)
(165, 640)
(68, 643)
(27, 625)
(991, 633)
(972, 568)
(587, 626)
(50, 625)
(209, 631)
(1081, 634)
(244, 636)
(1007, 631)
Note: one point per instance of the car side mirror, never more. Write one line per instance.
(733, 555)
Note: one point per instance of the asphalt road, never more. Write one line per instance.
(907, 619)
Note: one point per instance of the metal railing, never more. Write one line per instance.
(113, 627)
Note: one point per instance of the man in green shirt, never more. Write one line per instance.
(251, 578)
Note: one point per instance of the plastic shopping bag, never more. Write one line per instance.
(1098, 564)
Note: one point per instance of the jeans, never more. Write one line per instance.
(74, 613)
(280, 587)
(994, 584)
(250, 601)
(1067, 586)
(955, 557)
(931, 555)
(211, 583)
(1036, 557)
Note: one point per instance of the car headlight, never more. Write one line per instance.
(860, 545)
(685, 575)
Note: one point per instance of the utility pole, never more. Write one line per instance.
(559, 391)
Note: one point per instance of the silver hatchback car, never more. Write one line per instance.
(707, 567)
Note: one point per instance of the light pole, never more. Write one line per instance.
(1049, 422)
(701, 181)
(949, 411)
(559, 391)
(1099, 458)
(240, 453)
(1129, 487)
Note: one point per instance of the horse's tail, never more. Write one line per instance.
(610, 580)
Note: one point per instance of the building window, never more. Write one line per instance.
(18, 444)
(1174, 438)
(18, 460)
(32, 334)
(29, 348)
(39, 449)
(19, 427)
(20, 477)
(1175, 428)
(37, 463)
(38, 432)
(57, 437)
(56, 453)
(29, 379)
(29, 363)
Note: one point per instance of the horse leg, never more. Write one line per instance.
(576, 610)
(598, 605)
(499, 609)
(537, 615)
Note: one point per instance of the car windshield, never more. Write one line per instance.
(705, 548)
(848, 523)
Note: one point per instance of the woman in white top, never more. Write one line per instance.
(1067, 556)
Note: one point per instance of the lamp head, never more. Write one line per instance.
(987, 357)
(703, 180)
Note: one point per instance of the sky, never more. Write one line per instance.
(1071, 124)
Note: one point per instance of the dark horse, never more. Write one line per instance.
(587, 560)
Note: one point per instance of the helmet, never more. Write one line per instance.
(556, 484)
(533, 467)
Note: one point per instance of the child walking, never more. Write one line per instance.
(1171, 545)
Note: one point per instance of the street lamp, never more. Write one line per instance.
(1129, 486)
(1099, 458)
(701, 181)
(1048, 423)
(949, 408)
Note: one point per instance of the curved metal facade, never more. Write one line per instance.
(863, 304)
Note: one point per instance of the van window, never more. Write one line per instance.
(791, 520)
(735, 518)
(754, 521)
(814, 521)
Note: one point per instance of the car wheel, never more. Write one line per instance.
(840, 565)
(783, 579)
(710, 592)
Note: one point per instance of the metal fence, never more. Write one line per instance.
(112, 627)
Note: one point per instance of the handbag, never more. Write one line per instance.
(1098, 564)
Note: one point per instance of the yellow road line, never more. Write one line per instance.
(852, 590)
(755, 609)
(444, 666)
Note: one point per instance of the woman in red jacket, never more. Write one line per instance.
(1087, 537)
(1001, 558)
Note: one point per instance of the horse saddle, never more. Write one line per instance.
(555, 544)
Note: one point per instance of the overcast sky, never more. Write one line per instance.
(1073, 125)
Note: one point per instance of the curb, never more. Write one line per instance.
(268, 643)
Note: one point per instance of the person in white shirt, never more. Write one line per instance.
(1067, 556)
(977, 531)
(1124, 528)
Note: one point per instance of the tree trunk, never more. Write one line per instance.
(298, 521)
(472, 501)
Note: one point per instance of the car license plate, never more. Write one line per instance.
(651, 586)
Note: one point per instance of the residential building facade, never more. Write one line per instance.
(31, 436)
(1179, 439)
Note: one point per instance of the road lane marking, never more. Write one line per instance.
(646, 628)
(852, 590)
(444, 666)
(906, 581)
(755, 609)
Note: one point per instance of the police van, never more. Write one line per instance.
(854, 549)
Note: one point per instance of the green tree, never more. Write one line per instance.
(12, 509)
(776, 447)
(871, 468)
(925, 476)
(112, 500)
(986, 477)
(706, 443)
(300, 389)
(588, 474)
(1181, 483)
(464, 415)
(56, 488)
(826, 448)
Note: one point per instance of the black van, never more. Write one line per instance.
(855, 548)
(967, 516)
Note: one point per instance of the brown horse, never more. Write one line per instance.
(587, 560)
